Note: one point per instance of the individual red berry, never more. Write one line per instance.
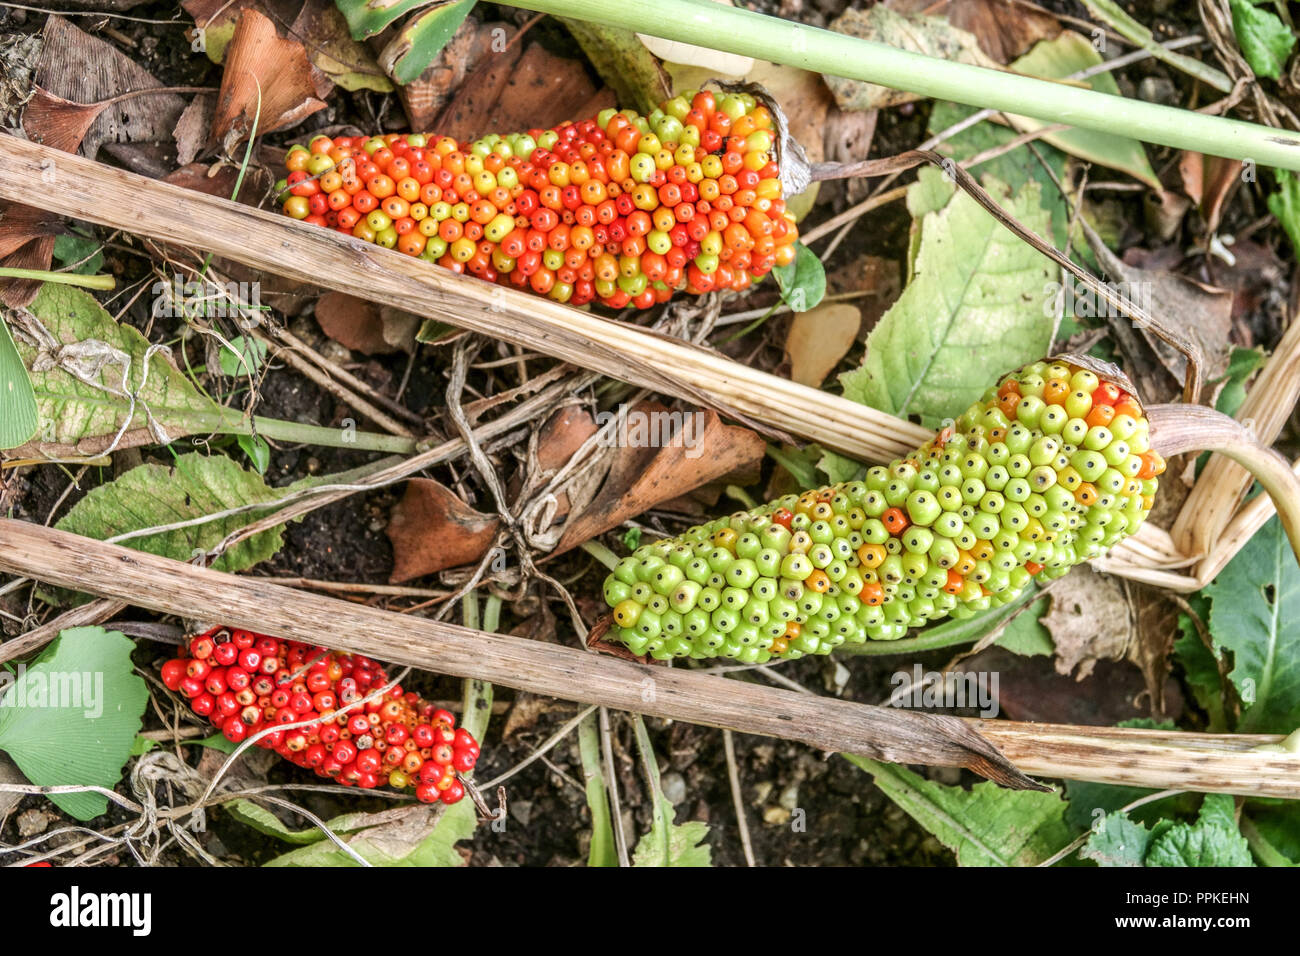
(453, 794)
(173, 672)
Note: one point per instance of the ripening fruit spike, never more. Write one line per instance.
(397, 739)
(1020, 486)
(620, 209)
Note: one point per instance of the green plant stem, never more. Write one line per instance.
(602, 852)
(1111, 14)
(948, 634)
(104, 283)
(737, 30)
(1265, 852)
(300, 433)
(601, 553)
(476, 701)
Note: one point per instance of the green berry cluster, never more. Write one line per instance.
(1050, 468)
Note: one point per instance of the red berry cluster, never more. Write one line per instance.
(245, 682)
(621, 209)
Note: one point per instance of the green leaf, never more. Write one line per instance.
(424, 836)
(1265, 40)
(623, 62)
(1279, 825)
(1214, 840)
(803, 281)
(18, 416)
(1090, 801)
(1069, 53)
(422, 38)
(1118, 841)
(1201, 672)
(799, 462)
(72, 717)
(1242, 364)
(242, 357)
(257, 450)
(85, 413)
(838, 468)
(368, 17)
(684, 845)
(976, 301)
(1255, 604)
(632, 539)
(1285, 205)
(986, 825)
(1014, 167)
(1026, 636)
(69, 249)
(197, 485)
(264, 821)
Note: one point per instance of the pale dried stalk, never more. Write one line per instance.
(280, 245)
(1105, 755)
(1215, 763)
(1182, 428)
(1222, 482)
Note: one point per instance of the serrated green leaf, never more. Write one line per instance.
(242, 357)
(198, 485)
(442, 827)
(1265, 40)
(803, 281)
(1089, 801)
(975, 306)
(72, 717)
(1118, 841)
(1069, 53)
(684, 846)
(986, 825)
(420, 40)
(368, 17)
(1254, 607)
(18, 415)
(1214, 840)
(70, 410)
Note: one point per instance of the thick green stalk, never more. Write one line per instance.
(741, 31)
(105, 283)
(299, 433)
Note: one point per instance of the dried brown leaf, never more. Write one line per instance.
(431, 529)
(819, 338)
(1209, 181)
(79, 68)
(365, 326)
(522, 89)
(262, 68)
(644, 477)
(1004, 29)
